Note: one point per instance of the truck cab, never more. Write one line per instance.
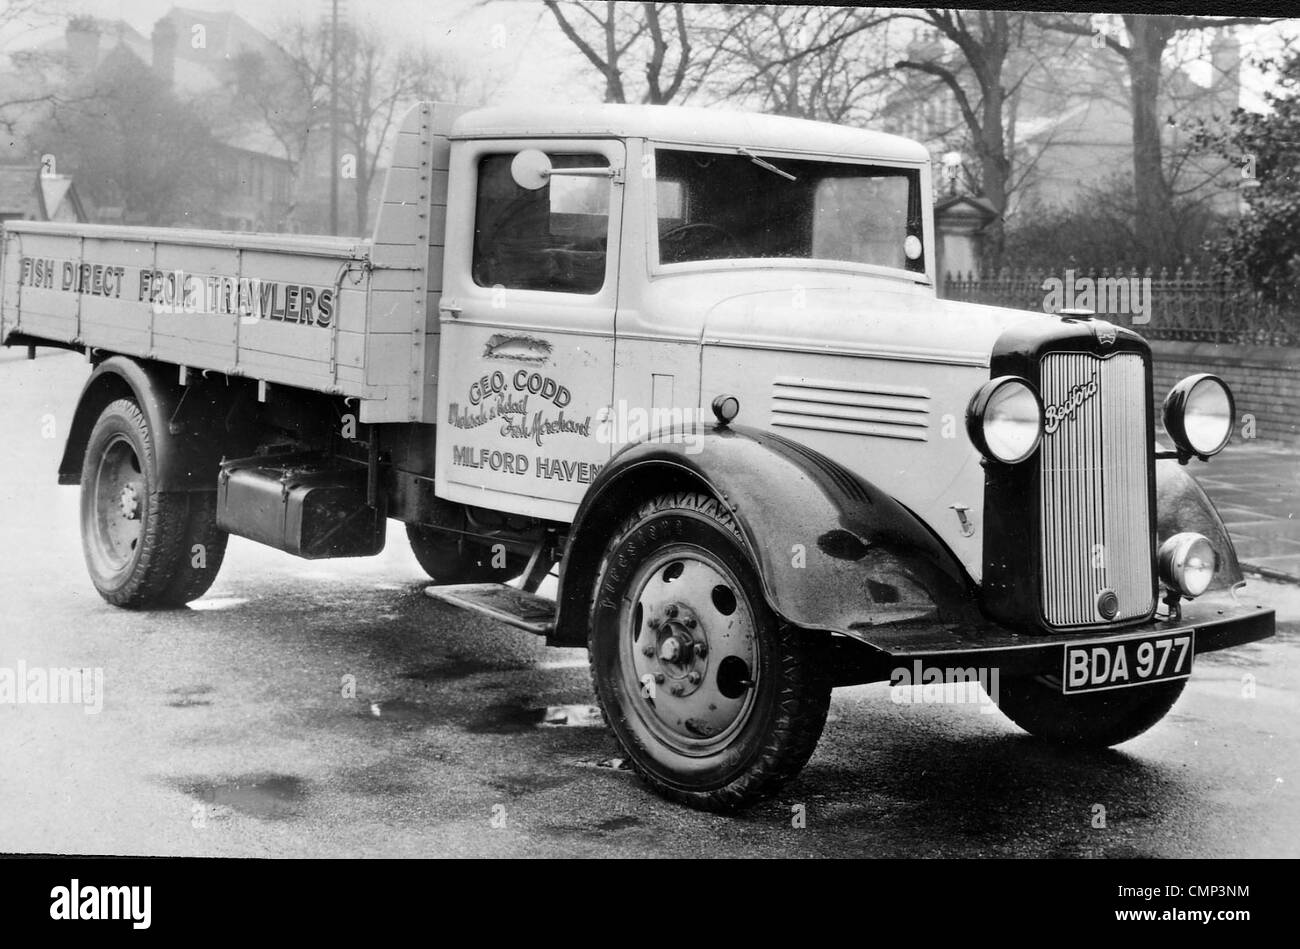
(695, 360)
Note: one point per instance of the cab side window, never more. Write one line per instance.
(554, 238)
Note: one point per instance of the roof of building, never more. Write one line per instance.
(18, 190)
(687, 125)
(20, 195)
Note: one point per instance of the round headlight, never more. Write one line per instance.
(1005, 419)
(1198, 414)
(1187, 563)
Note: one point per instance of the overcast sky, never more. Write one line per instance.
(517, 41)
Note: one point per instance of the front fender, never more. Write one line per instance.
(832, 551)
(1183, 505)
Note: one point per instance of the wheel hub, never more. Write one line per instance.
(128, 502)
(681, 647)
(692, 652)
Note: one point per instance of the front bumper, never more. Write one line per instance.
(1220, 622)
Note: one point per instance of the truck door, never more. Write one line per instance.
(526, 359)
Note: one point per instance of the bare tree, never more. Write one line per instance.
(36, 79)
(978, 80)
(287, 94)
(824, 63)
(615, 37)
(377, 82)
(1142, 51)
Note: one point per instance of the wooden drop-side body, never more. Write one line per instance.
(368, 331)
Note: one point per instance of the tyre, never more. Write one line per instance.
(448, 558)
(1089, 720)
(204, 550)
(139, 542)
(715, 702)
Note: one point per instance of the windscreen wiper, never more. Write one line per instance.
(765, 164)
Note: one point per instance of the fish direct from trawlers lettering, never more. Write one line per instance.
(177, 291)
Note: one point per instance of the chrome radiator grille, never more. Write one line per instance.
(1094, 487)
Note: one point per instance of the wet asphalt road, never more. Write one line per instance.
(225, 729)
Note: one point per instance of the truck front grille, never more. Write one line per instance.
(1096, 518)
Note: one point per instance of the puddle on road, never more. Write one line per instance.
(619, 823)
(506, 719)
(517, 785)
(513, 718)
(187, 696)
(264, 796)
(401, 711)
(575, 716)
(448, 667)
(218, 603)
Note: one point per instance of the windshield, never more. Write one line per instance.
(714, 206)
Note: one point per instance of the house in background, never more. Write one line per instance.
(28, 195)
(1069, 124)
(195, 53)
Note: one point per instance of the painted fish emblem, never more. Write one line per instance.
(517, 348)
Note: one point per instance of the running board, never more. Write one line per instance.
(514, 607)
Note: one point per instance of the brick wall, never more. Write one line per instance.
(1265, 381)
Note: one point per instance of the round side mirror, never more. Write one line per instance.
(531, 169)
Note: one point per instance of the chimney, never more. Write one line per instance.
(1225, 55)
(164, 50)
(82, 37)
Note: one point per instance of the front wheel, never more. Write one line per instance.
(1089, 720)
(714, 700)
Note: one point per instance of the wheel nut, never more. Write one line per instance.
(701, 649)
(671, 611)
(677, 690)
(693, 677)
(659, 678)
(691, 623)
(654, 622)
(648, 651)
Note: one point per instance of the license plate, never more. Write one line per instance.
(1095, 667)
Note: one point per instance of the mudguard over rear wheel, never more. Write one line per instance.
(715, 701)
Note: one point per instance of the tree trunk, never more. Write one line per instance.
(1149, 36)
(995, 168)
(995, 164)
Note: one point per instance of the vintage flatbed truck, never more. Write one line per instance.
(695, 359)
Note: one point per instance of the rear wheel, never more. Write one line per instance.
(205, 549)
(143, 547)
(1088, 720)
(715, 701)
(449, 558)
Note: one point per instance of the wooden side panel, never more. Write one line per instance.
(268, 308)
(402, 337)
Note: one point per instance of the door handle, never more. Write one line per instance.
(450, 306)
